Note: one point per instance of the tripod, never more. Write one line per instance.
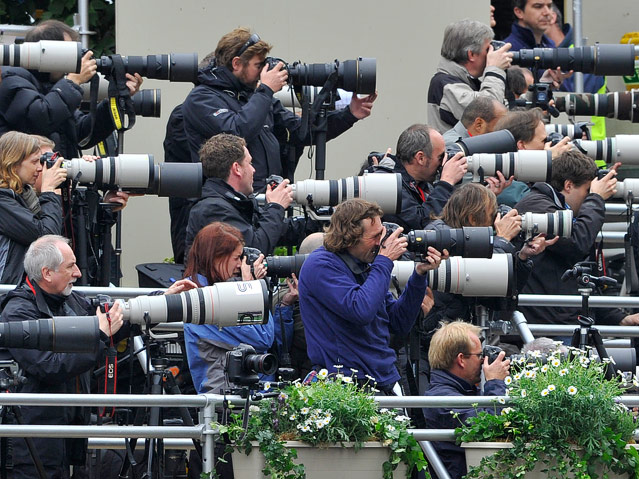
(159, 380)
(586, 334)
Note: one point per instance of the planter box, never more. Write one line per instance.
(332, 462)
(475, 451)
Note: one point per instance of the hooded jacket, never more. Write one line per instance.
(550, 265)
(31, 104)
(452, 89)
(222, 104)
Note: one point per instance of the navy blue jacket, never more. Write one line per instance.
(444, 383)
(222, 104)
(522, 38)
(30, 104)
(349, 324)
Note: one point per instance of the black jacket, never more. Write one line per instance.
(417, 212)
(19, 227)
(222, 104)
(30, 104)
(550, 265)
(48, 372)
(262, 227)
(443, 383)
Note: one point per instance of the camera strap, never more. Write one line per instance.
(93, 102)
(120, 102)
(360, 272)
(110, 365)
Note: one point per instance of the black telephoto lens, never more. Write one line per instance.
(469, 242)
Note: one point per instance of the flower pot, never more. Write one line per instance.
(333, 461)
(475, 451)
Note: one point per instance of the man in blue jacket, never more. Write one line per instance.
(347, 310)
(532, 21)
(235, 95)
(456, 360)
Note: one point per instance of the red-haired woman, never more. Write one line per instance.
(217, 255)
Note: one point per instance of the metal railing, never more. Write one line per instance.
(179, 436)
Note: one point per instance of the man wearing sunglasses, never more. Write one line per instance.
(235, 95)
(456, 361)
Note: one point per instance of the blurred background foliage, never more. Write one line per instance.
(101, 18)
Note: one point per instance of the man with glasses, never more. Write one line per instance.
(235, 95)
(457, 361)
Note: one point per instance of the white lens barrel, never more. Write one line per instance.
(126, 171)
(44, 56)
(233, 303)
(524, 165)
(483, 277)
(385, 189)
(558, 223)
(626, 188)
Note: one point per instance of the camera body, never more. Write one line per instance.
(48, 158)
(243, 365)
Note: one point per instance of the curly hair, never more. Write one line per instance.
(15, 147)
(218, 154)
(346, 227)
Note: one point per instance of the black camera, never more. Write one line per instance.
(49, 158)
(285, 266)
(243, 365)
(357, 76)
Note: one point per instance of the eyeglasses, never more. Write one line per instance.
(479, 355)
(253, 39)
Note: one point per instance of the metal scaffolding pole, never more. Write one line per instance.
(577, 40)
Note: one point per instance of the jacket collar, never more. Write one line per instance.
(526, 36)
(549, 191)
(452, 68)
(440, 376)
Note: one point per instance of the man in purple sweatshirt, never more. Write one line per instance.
(347, 310)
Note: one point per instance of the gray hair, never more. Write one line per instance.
(481, 107)
(43, 253)
(464, 36)
(560, 18)
(544, 346)
(413, 139)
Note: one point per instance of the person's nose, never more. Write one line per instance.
(76, 272)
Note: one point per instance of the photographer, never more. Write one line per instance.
(347, 310)
(48, 103)
(227, 196)
(25, 216)
(457, 362)
(469, 67)
(51, 270)
(479, 117)
(574, 185)
(235, 95)
(217, 255)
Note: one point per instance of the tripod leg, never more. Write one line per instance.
(32, 450)
(595, 337)
(171, 387)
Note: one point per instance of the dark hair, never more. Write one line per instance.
(213, 245)
(412, 140)
(51, 30)
(469, 201)
(521, 124)
(574, 166)
(481, 107)
(230, 44)
(218, 154)
(346, 228)
(516, 80)
(520, 4)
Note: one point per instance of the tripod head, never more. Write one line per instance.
(582, 271)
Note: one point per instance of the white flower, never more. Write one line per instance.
(508, 380)
(501, 401)
(544, 368)
(337, 366)
(354, 371)
(322, 374)
(283, 396)
(304, 410)
(531, 374)
(387, 442)
(267, 386)
(551, 387)
(402, 418)
(563, 372)
(292, 417)
(326, 420)
(545, 392)
(347, 379)
(390, 428)
(298, 385)
(374, 419)
(383, 410)
(305, 428)
(523, 393)
(319, 424)
(635, 381)
(555, 362)
(584, 361)
(370, 378)
(506, 410)
(254, 408)
(572, 390)
(517, 376)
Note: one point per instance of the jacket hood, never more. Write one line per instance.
(550, 192)
(222, 78)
